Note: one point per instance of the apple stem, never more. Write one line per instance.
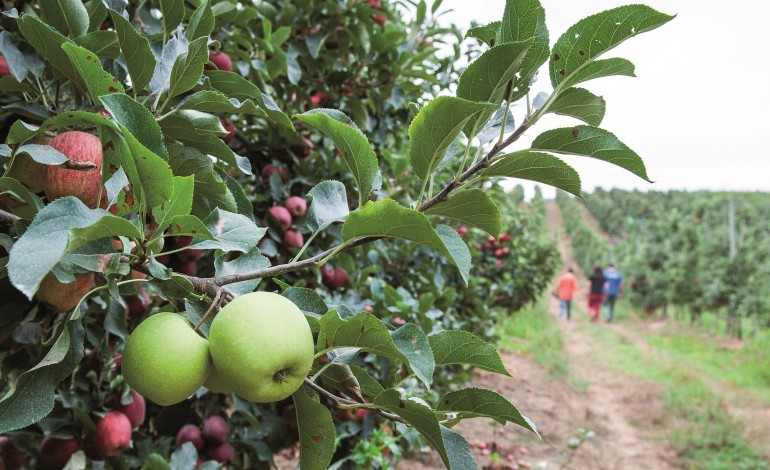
(280, 376)
(215, 302)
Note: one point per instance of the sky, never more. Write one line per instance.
(696, 112)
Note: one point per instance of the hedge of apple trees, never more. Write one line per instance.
(188, 188)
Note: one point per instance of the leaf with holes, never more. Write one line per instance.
(597, 34)
(462, 347)
(90, 68)
(591, 142)
(601, 68)
(482, 403)
(472, 207)
(536, 166)
(488, 34)
(580, 104)
(316, 430)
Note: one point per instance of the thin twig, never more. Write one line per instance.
(214, 303)
(340, 400)
(6, 218)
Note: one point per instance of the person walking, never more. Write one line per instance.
(596, 293)
(614, 289)
(565, 289)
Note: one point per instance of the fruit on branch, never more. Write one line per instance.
(29, 172)
(320, 98)
(334, 278)
(230, 128)
(293, 238)
(223, 453)
(296, 205)
(10, 455)
(374, 3)
(380, 19)
(64, 297)
(4, 70)
(271, 169)
(499, 253)
(189, 268)
(189, 433)
(352, 414)
(504, 237)
(55, 452)
(303, 150)
(215, 429)
(112, 435)
(138, 304)
(282, 216)
(216, 383)
(262, 345)
(84, 184)
(189, 254)
(165, 360)
(221, 61)
(134, 411)
(462, 230)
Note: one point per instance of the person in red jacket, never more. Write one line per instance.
(565, 289)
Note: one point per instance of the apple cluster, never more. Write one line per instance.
(210, 441)
(496, 247)
(260, 346)
(283, 216)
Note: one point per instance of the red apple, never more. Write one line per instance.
(319, 98)
(374, 3)
(303, 150)
(380, 19)
(368, 308)
(334, 278)
(10, 455)
(462, 230)
(271, 169)
(230, 128)
(134, 411)
(281, 215)
(186, 255)
(83, 184)
(189, 433)
(112, 435)
(499, 253)
(138, 304)
(223, 453)
(293, 238)
(55, 452)
(221, 61)
(189, 268)
(296, 205)
(504, 237)
(4, 71)
(215, 430)
(64, 297)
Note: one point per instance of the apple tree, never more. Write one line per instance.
(179, 180)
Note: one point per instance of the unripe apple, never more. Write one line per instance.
(293, 238)
(221, 61)
(64, 297)
(165, 360)
(4, 70)
(189, 433)
(230, 128)
(281, 215)
(223, 453)
(380, 19)
(134, 411)
(216, 383)
(83, 184)
(55, 452)
(262, 345)
(112, 435)
(10, 455)
(296, 205)
(215, 430)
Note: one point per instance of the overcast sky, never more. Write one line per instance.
(697, 110)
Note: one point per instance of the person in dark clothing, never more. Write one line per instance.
(596, 293)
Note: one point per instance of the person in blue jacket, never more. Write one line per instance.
(614, 288)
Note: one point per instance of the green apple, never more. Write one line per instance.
(262, 346)
(216, 383)
(165, 360)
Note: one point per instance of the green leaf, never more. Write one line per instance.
(316, 430)
(44, 154)
(456, 249)
(247, 262)
(461, 347)
(386, 218)
(201, 23)
(59, 228)
(33, 394)
(155, 178)
(351, 142)
(70, 17)
(436, 126)
(600, 68)
(235, 86)
(210, 190)
(138, 120)
(472, 207)
(189, 225)
(591, 142)
(367, 332)
(370, 388)
(211, 101)
(329, 204)
(102, 43)
(173, 14)
(180, 203)
(479, 402)
(307, 300)
(597, 34)
(47, 42)
(536, 166)
(188, 67)
(13, 188)
(233, 232)
(524, 19)
(580, 104)
(90, 68)
(139, 58)
(340, 377)
(412, 342)
(458, 450)
(486, 79)
(488, 34)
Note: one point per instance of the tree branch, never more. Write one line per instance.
(6, 218)
(340, 400)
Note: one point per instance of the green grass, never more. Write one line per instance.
(533, 330)
(702, 431)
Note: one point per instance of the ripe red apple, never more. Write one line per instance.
(10, 455)
(215, 430)
(55, 452)
(271, 169)
(188, 267)
(374, 3)
(334, 278)
(320, 98)
(303, 150)
(296, 205)
(462, 230)
(64, 297)
(223, 453)
(398, 321)
(134, 411)
(138, 304)
(380, 19)
(112, 435)
(281, 215)
(83, 184)
(221, 61)
(499, 253)
(368, 308)
(293, 238)
(504, 237)
(4, 71)
(186, 255)
(230, 128)
(189, 433)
